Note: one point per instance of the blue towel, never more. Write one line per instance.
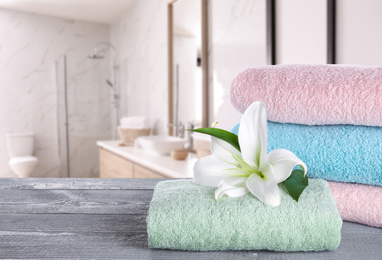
(345, 153)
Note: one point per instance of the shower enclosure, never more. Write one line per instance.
(85, 112)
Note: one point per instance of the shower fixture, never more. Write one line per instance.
(96, 57)
(109, 83)
(95, 54)
(112, 83)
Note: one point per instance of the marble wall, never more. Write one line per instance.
(29, 46)
(140, 37)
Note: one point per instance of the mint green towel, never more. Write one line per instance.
(185, 216)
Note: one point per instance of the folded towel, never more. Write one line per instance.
(358, 203)
(135, 122)
(185, 216)
(313, 94)
(344, 153)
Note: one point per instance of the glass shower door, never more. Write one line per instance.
(84, 113)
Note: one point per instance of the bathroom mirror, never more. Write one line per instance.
(187, 64)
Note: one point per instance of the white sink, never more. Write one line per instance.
(162, 145)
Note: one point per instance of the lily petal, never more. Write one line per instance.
(223, 150)
(210, 171)
(253, 135)
(230, 190)
(265, 189)
(283, 162)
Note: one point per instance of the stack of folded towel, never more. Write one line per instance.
(330, 116)
(185, 216)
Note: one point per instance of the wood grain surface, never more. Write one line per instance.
(114, 166)
(106, 219)
(142, 172)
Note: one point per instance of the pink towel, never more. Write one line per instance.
(358, 203)
(313, 94)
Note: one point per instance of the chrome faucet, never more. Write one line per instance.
(179, 129)
(190, 140)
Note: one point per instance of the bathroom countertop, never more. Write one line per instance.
(164, 165)
(106, 218)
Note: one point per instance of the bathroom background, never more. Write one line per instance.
(39, 52)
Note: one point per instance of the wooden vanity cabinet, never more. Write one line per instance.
(115, 166)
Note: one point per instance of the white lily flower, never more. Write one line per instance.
(251, 170)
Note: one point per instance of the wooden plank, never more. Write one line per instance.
(77, 183)
(114, 166)
(142, 172)
(101, 251)
(86, 236)
(133, 245)
(72, 223)
(75, 201)
(90, 223)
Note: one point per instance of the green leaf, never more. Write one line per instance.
(224, 135)
(296, 183)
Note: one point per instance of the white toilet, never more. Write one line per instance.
(20, 148)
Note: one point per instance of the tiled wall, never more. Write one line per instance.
(29, 46)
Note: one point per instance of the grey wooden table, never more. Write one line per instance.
(106, 218)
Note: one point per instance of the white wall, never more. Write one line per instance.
(359, 37)
(301, 31)
(140, 37)
(236, 42)
(29, 46)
